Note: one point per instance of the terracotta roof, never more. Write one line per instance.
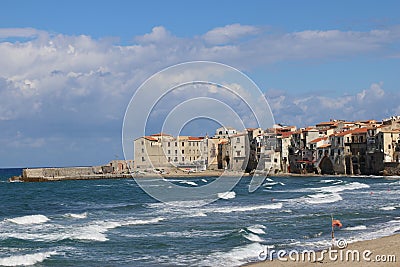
(327, 123)
(319, 139)
(310, 129)
(355, 131)
(150, 138)
(286, 134)
(161, 134)
(194, 138)
(324, 146)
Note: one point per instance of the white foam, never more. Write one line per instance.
(387, 208)
(340, 188)
(204, 180)
(30, 219)
(270, 184)
(269, 180)
(323, 198)
(26, 260)
(235, 257)
(188, 182)
(257, 229)
(385, 229)
(253, 237)
(246, 208)
(356, 228)
(227, 195)
(96, 231)
(76, 215)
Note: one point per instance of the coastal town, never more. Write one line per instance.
(338, 147)
(335, 147)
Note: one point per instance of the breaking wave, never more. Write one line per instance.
(257, 229)
(227, 195)
(340, 188)
(323, 198)
(247, 208)
(356, 228)
(76, 215)
(26, 260)
(30, 219)
(387, 208)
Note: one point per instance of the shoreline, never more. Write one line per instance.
(383, 251)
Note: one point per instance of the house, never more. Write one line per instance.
(239, 151)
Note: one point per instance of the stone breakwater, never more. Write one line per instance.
(72, 173)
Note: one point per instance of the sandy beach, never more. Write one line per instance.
(379, 252)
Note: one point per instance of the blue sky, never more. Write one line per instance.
(69, 68)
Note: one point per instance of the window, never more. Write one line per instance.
(169, 151)
(176, 159)
(190, 159)
(176, 152)
(142, 143)
(169, 144)
(169, 159)
(238, 153)
(183, 158)
(142, 150)
(183, 143)
(176, 143)
(183, 151)
(238, 140)
(143, 159)
(389, 147)
(275, 160)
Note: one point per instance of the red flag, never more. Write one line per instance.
(336, 223)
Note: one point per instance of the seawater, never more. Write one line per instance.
(114, 222)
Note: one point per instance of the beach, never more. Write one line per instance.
(379, 252)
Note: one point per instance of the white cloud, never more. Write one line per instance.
(20, 32)
(229, 33)
(372, 103)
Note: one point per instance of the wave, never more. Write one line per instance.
(253, 237)
(247, 208)
(26, 260)
(96, 231)
(355, 228)
(387, 208)
(323, 198)
(30, 219)
(340, 188)
(384, 229)
(188, 182)
(204, 180)
(227, 195)
(257, 229)
(237, 256)
(76, 215)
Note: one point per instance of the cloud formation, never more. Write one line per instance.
(370, 103)
(63, 93)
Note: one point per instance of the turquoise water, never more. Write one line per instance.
(114, 223)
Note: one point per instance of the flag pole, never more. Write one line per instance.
(333, 233)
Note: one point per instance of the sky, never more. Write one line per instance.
(68, 69)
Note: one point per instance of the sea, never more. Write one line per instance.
(115, 223)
